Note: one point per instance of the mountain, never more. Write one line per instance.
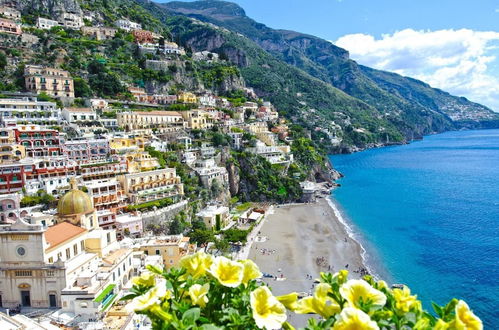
(342, 105)
(413, 106)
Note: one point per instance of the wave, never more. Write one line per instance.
(351, 233)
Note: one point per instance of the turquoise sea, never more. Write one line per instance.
(428, 215)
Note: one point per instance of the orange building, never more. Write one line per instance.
(143, 36)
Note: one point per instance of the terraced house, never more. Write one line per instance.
(28, 110)
(152, 185)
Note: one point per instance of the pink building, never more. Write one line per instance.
(8, 26)
(9, 207)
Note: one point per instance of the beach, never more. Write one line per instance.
(299, 241)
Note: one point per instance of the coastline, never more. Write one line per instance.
(351, 233)
(298, 241)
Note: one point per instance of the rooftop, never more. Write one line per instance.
(61, 233)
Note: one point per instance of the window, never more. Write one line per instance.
(50, 273)
(157, 252)
(75, 249)
(23, 273)
(82, 245)
(68, 253)
(51, 260)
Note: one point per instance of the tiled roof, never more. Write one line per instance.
(61, 233)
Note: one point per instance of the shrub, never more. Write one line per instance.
(218, 293)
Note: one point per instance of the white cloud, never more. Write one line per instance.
(458, 61)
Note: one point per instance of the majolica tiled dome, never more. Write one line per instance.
(74, 202)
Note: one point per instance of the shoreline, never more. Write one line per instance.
(351, 233)
(297, 242)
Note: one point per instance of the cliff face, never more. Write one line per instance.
(50, 8)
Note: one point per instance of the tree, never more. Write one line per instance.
(176, 226)
(222, 245)
(202, 236)
(3, 60)
(219, 139)
(81, 88)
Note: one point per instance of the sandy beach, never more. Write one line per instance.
(293, 238)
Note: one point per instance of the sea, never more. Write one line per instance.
(427, 213)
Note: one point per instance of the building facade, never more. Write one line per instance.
(153, 119)
(54, 82)
(152, 185)
(28, 110)
(10, 27)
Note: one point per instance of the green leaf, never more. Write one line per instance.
(191, 316)
(437, 309)
(210, 327)
(129, 296)
(154, 269)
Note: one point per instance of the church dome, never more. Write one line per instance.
(74, 202)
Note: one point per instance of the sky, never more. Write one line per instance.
(450, 44)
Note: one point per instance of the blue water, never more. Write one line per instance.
(428, 213)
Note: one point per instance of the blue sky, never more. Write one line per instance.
(453, 45)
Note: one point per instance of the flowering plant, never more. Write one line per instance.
(208, 293)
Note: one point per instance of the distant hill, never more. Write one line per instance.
(414, 107)
(342, 105)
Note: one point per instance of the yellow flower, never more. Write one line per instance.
(441, 325)
(251, 271)
(148, 300)
(404, 302)
(465, 319)
(352, 318)
(382, 285)
(196, 264)
(422, 324)
(145, 279)
(289, 300)
(268, 312)
(357, 291)
(227, 272)
(198, 294)
(320, 303)
(341, 276)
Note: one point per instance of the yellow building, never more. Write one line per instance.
(170, 248)
(197, 119)
(10, 151)
(187, 97)
(122, 145)
(140, 162)
(152, 185)
(150, 119)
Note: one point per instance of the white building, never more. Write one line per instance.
(45, 23)
(14, 111)
(236, 140)
(209, 172)
(273, 154)
(71, 21)
(208, 100)
(215, 216)
(10, 13)
(127, 25)
(73, 115)
(73, 265)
